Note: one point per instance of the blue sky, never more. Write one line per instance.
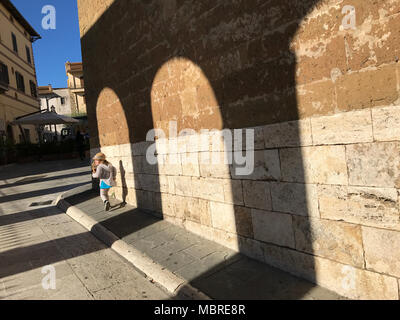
(56, 46)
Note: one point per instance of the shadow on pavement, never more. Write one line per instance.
(122, 220)
(22, 259)
(22, 170)
(42, 178)
(28, 216)
(242, 278)
(38, 193)
(35, 256)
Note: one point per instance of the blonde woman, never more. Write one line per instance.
(104, 171)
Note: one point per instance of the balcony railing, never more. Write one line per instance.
(77, 87)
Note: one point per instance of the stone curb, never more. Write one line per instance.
(153, 270)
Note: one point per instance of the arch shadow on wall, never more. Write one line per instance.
(241, 47)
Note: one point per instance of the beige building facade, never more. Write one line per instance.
(76, 87)
(69, 101)
(18, 83)
(55, 99)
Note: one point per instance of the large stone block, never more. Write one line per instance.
(219, 140)
(323, 164)
(162, 146)
(233, 192)
(266, 166)
(377, 207)
(233, 219)
(118, 191)
(180, 207)
(344, 128)
(140, 148)
(171, 184)
(182, 142)
(334, 240)
(133, 165)
(382, 250)
(251, 248)
(172, 165)
(386, 123)
(168, 204)
(257, 194)
(316, 98)
(374, 164)
(296, 198)
(148, 182)
(290, 260)
(355, 283)
(131, 197)
(240, 139)
(259, 143)
(147, 167)
(109, 150)
(273, 227)
(203, 208)
(183, 186)
(124, 150)
(127, 180)
(208, 189)
(214, 165)
(147, 200)
(380, 45)
(346, 280)
(288, 134)
(367, 89)
(222, 237)
(128, 165)
(190, 164)
(163, 184)
(198, 142)
(192, 209)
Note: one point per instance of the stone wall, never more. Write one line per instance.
(322, 202)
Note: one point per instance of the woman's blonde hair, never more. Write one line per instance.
(101, 157)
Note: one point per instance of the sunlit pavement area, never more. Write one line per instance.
(36, 236)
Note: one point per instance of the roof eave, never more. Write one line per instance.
(20, 18)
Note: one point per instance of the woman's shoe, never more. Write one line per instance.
(107, 205)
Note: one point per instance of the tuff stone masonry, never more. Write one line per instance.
(324, 103)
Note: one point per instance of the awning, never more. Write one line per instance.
(45, 118)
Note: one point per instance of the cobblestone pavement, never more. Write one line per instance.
(34, 235)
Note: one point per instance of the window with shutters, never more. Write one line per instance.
(4, 74)
(14, 41)
(20, 81)
(28, 55)
(33, 88)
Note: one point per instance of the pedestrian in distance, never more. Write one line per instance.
(80, 144)
(107, 173)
